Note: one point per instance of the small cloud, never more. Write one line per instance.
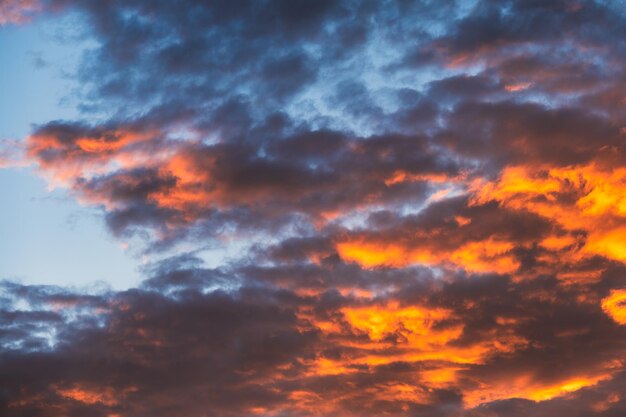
(514, 88)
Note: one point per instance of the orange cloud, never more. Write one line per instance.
(614, 305)
(528, 387)
(381, 334)
(589, 197)
(67, 157)
(413, 322)
(488, 255)
(194, 189)
(88, 396)
(514, 88)
(404, 176)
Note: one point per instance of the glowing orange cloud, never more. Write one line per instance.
(65, 162)
(587, 197)
(615, 305)
(527, 387)
(87, 396)
(489, 255)
(194, 190)
(377, 334)
(106, 396)
(414, 322)
(391, 333)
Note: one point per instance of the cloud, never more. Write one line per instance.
(186, 182)
(421, 344)
(613, 305)
(578, 198)
(17, 11)
(421, 202)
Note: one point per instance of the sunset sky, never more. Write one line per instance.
(312, 208)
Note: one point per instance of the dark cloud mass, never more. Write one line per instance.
(423, 205)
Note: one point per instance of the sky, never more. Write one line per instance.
(53, 240)
(312, 208)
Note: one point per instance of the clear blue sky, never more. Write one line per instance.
(46, 236)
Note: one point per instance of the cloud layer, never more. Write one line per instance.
(430, 198)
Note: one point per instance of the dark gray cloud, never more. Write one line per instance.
(178, 345)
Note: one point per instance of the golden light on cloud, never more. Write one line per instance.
(614, 305)
(586, 197)
(417, 334)
(556, 243)
(529, 388)
(90, 396)
(371, 255)
(381, 334)
(610, 243)
(489, 255)
(413, 323)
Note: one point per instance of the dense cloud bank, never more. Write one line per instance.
(280, 343)
(434, 192)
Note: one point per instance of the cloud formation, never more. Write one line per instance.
(429, 194)
(422, 344)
